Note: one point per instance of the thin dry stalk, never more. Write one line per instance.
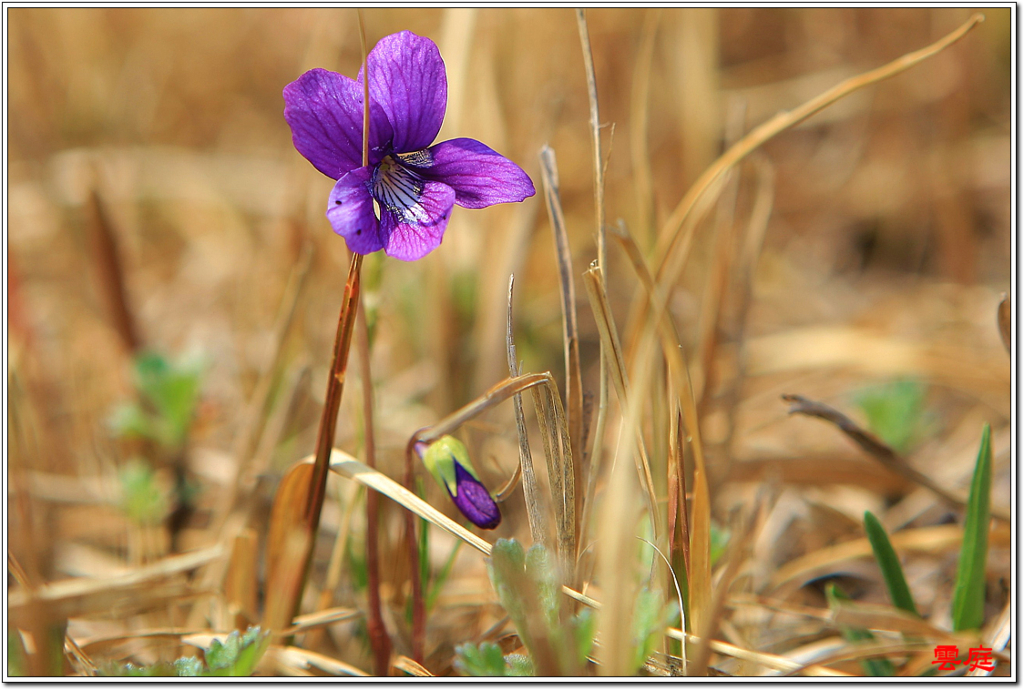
(618, 523)
(570, 329)
(594, 281)
(699, 576)
(738, 550)
(532, 494)
(379, 639)
(879, 450)
(670, 231)
(678, 520)
(499, 392)
(638, 110)
(723, 253)
(594, 459)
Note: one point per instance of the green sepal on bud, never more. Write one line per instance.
(440, 458)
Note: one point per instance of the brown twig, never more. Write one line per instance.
(877, 449)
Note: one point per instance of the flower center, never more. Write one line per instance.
(399, 190)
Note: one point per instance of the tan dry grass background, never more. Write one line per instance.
(884, 255)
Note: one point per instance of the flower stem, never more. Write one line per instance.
(329, 417)
(335, 385)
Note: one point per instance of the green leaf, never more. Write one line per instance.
(889, 562)
(189, 666)
(719, 542)
(238, 654)
(128, 420)
(894, 412)
(584, 625)
(540, 568)
(485, 660)
(172, 389)
(872, 667)
(968, 610)
(142, 499)
(518, 665)
(15, 654)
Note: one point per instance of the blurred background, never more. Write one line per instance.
(155, 203)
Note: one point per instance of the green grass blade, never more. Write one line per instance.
(889, 562)
(969, 592)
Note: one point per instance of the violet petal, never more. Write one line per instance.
(325, 111)
(412, 231)
(473, 499)
(350, 211)
(479, 175)
(407, 79)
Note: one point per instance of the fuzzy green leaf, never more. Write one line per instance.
(483, 660)
(968, 609)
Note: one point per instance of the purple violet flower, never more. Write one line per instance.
(413, 183)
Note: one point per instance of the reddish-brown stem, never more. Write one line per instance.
(419, 616)
(335, 385)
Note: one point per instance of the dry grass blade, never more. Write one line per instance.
(877, 449)
(103, 237)
(240, 582)
(770, 661)
(79, 596)
(561, 476)
(407, 665)
(350, 468)
(881, 617)
(1004, 319)
(638, 111)
(594, 281)
(923, 539)
(783, 121)
(534, 504)
(288, 530)
(319, 619)
(570, 329)
(294, 658)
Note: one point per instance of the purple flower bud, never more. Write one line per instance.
(474, 500)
